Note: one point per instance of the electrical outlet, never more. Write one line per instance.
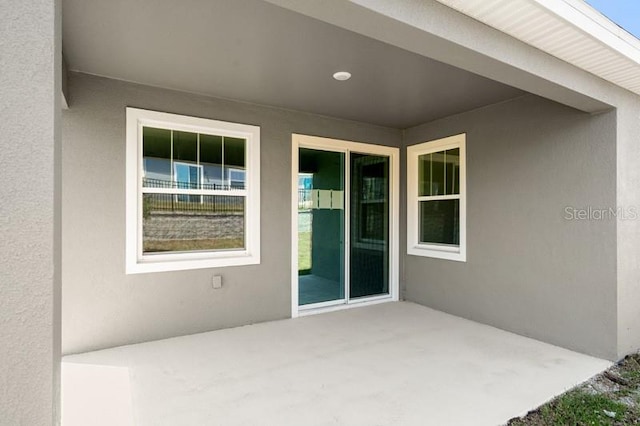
(216, 282)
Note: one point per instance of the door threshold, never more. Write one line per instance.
(339, 307)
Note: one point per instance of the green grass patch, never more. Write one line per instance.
(633, 376)
(304, 252)
(580, 408)
(152, 246)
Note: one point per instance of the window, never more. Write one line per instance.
(436, 191)
(370, 200)
(193, 192)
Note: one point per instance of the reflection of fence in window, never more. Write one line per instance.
(160, 183)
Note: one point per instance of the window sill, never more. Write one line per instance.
(149, 265)
(438, 252)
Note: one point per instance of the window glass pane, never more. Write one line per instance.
(156, 148)
(438, 173)
(236, 178)
(453, 171)
(185, 223)
(187, 176)
(234, 162)
(321, 226)
(211, 161)
(185, 146)
(369, 254)
(424, 175)
(439, 222)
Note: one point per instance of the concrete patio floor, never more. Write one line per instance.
(387, 364)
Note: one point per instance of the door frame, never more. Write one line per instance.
(336, 145)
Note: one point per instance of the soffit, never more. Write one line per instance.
(570, 30)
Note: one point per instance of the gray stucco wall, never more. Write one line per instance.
(628, 174)
(528, 269)
(103, 307)
(29, 212)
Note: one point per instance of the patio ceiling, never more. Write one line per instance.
(254, 51)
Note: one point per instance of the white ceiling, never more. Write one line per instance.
(254, 51)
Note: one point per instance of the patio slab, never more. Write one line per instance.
(387, 364)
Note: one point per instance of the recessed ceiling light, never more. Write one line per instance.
(342, 75)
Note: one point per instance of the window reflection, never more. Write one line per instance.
(186, 160)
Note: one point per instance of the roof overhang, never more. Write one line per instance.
(562, 50)
(570, 30)
(504, 40)
(254, 51)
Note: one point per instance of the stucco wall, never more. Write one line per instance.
(528, 269)
(29, 280)
(628, 159)
(103, 307)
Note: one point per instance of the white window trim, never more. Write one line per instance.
(136, 262)
(414, 247)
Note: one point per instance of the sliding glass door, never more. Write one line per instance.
(343, 226)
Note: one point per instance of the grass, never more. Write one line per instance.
(632, 375)
(608, 399)
(578, 407)
(191, 245)
(304, 252)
